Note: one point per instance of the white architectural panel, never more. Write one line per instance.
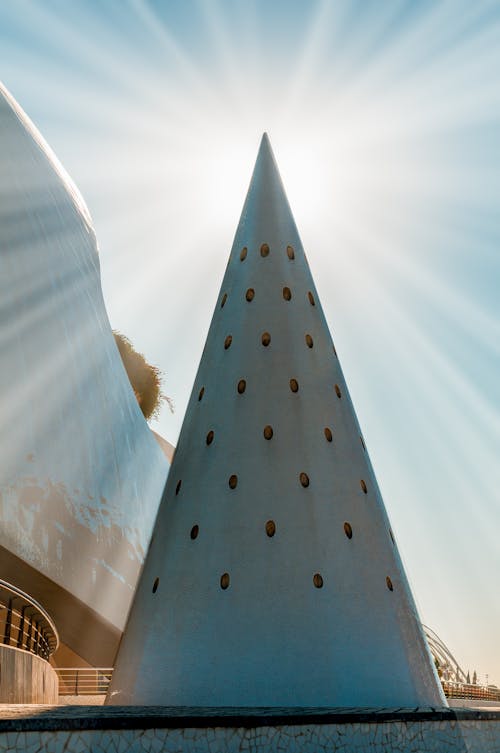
(272, 578)
(81, 475)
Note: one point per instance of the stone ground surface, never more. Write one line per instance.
(74, 729)
(80, 700)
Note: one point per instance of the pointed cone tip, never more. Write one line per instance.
(265, 141)
(265, 149)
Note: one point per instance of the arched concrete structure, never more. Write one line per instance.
(273, 578)
(81, 475)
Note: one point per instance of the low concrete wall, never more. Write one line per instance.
(463, 703)
(181, 730)
(26, 678)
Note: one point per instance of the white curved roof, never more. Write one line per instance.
(81, 475)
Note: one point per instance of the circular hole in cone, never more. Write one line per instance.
(243, 253)
(223, 301)
(318, 580)
(304, 479)
(270, 528)
(210, 437)
(294, 385)
(155, 585)
(264, 250)
(287, 294)
(178, 487)
(337, 391)
(268, 432)
(249, 295)
(266, 339)
(201, 393)
(233, 481)
(227, 342)
(348, 530)
(194, 532)
(242, 385)
(389, 584)
(290, 252)
(224, 581)
(309, 341)
(311, 299)
(363, 486)
(328, 434)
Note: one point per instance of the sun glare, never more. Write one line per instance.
(384, 123)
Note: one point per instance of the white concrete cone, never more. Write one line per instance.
(272, 578)
(81, 475)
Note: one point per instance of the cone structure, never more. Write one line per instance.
(81, 475)
(272, 578)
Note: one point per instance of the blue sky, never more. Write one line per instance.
(385, 121)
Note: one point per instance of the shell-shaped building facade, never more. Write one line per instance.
(273, 577)
(81, 475)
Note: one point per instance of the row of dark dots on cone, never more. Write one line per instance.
(287, 295)
(268, 433)
(266, 341)
(294, 386)
(303, 479)
(265, 251)
(317, 581)
(225, 581)
(270, 528)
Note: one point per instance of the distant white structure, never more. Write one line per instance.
(273, 577)
(449, 668)
(81, 475)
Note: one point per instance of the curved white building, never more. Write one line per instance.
(273, 577)
(81, 474)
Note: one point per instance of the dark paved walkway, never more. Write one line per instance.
(147, 717)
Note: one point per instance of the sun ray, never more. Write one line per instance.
(384, 120)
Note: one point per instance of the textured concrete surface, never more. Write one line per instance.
(155, 729)
(273, 575)
(26, 678)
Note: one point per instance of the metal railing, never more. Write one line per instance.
(24, 623)
(470, 691)
(84, 680)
